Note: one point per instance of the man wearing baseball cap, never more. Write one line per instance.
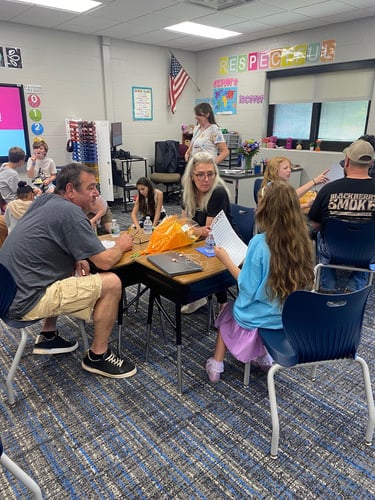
(349, 198)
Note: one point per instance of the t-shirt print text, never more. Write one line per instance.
(354, 204)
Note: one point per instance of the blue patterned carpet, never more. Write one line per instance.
(87, 437)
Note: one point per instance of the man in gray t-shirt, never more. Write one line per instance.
(47, 254)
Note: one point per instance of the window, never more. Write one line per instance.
(342, 121)
(292, 120)
(337, 123)
(331, 103)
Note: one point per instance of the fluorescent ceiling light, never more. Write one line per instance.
(69, 5)
(202, 30)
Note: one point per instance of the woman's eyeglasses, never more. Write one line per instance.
(201, 175)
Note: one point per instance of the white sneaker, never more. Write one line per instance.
(193, 306)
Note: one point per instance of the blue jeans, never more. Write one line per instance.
(353, 280)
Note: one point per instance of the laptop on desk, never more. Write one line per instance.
(174, 264)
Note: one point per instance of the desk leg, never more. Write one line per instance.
(120, 314)
(236, 191)
(151, 300)
(178, 346)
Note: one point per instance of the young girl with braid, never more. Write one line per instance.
(279, 261)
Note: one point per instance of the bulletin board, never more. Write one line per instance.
(142, 103)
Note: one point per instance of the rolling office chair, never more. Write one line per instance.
(8, 291)
(21, 475)
(168, 168)
(309, 340)
(351, 246)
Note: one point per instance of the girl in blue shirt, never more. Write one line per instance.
(278, 262)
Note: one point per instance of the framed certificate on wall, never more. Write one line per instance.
(142, 103)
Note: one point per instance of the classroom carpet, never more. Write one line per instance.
(82, 436)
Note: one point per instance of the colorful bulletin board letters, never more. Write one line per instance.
(280, 58)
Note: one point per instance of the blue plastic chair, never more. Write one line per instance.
(20, 474)
(8, 291)
(307, 339)
(351, 246)
(243, 217)
(257, 184)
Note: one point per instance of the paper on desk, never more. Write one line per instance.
(226, 237)
(108, 243)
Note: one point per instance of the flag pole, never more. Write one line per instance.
(196, 86)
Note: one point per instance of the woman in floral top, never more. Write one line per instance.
(207, 136)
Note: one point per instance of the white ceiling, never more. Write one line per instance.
(142, 21)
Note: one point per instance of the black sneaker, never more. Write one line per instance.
(109, 366)
(56, 345)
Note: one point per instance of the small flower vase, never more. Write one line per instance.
(248, 163)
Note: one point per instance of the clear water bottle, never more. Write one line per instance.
(147, 225)
(115, 228)
(210, 243)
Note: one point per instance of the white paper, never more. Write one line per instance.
(226, 237)
(108, 243)
(335, 172)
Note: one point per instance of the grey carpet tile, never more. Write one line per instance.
(87, 437)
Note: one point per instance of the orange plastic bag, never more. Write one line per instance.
(171, 233)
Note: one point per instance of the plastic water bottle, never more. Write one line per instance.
(147, 225)
(115, 228)
(210, 243)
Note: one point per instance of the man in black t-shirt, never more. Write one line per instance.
(349, 198)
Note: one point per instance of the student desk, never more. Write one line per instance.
(181, 290)
(134, 268)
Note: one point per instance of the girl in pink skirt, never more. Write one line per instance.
(278, 261)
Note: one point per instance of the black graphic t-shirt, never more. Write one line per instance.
(345, 199)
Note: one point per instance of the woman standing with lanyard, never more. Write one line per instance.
(207, 136)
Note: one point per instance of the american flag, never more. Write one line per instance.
(178, 78)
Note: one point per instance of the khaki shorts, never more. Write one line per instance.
(72, 296)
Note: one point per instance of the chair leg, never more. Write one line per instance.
(13, 367)
(210, 314)
(82, 329)
(21, 475)
(317, 272)
(273, 407)
(246, 374)
(370, 399)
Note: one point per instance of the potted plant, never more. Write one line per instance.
(312, 145)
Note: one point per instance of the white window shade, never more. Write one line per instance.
(339, 85)
(292, 89)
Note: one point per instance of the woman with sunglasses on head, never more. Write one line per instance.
(204, 196)
(207, 136)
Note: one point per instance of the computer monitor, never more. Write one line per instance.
(116, 134)
(13, 121)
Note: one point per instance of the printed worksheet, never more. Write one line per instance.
(226, 237)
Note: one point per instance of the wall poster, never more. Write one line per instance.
(142, 103)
